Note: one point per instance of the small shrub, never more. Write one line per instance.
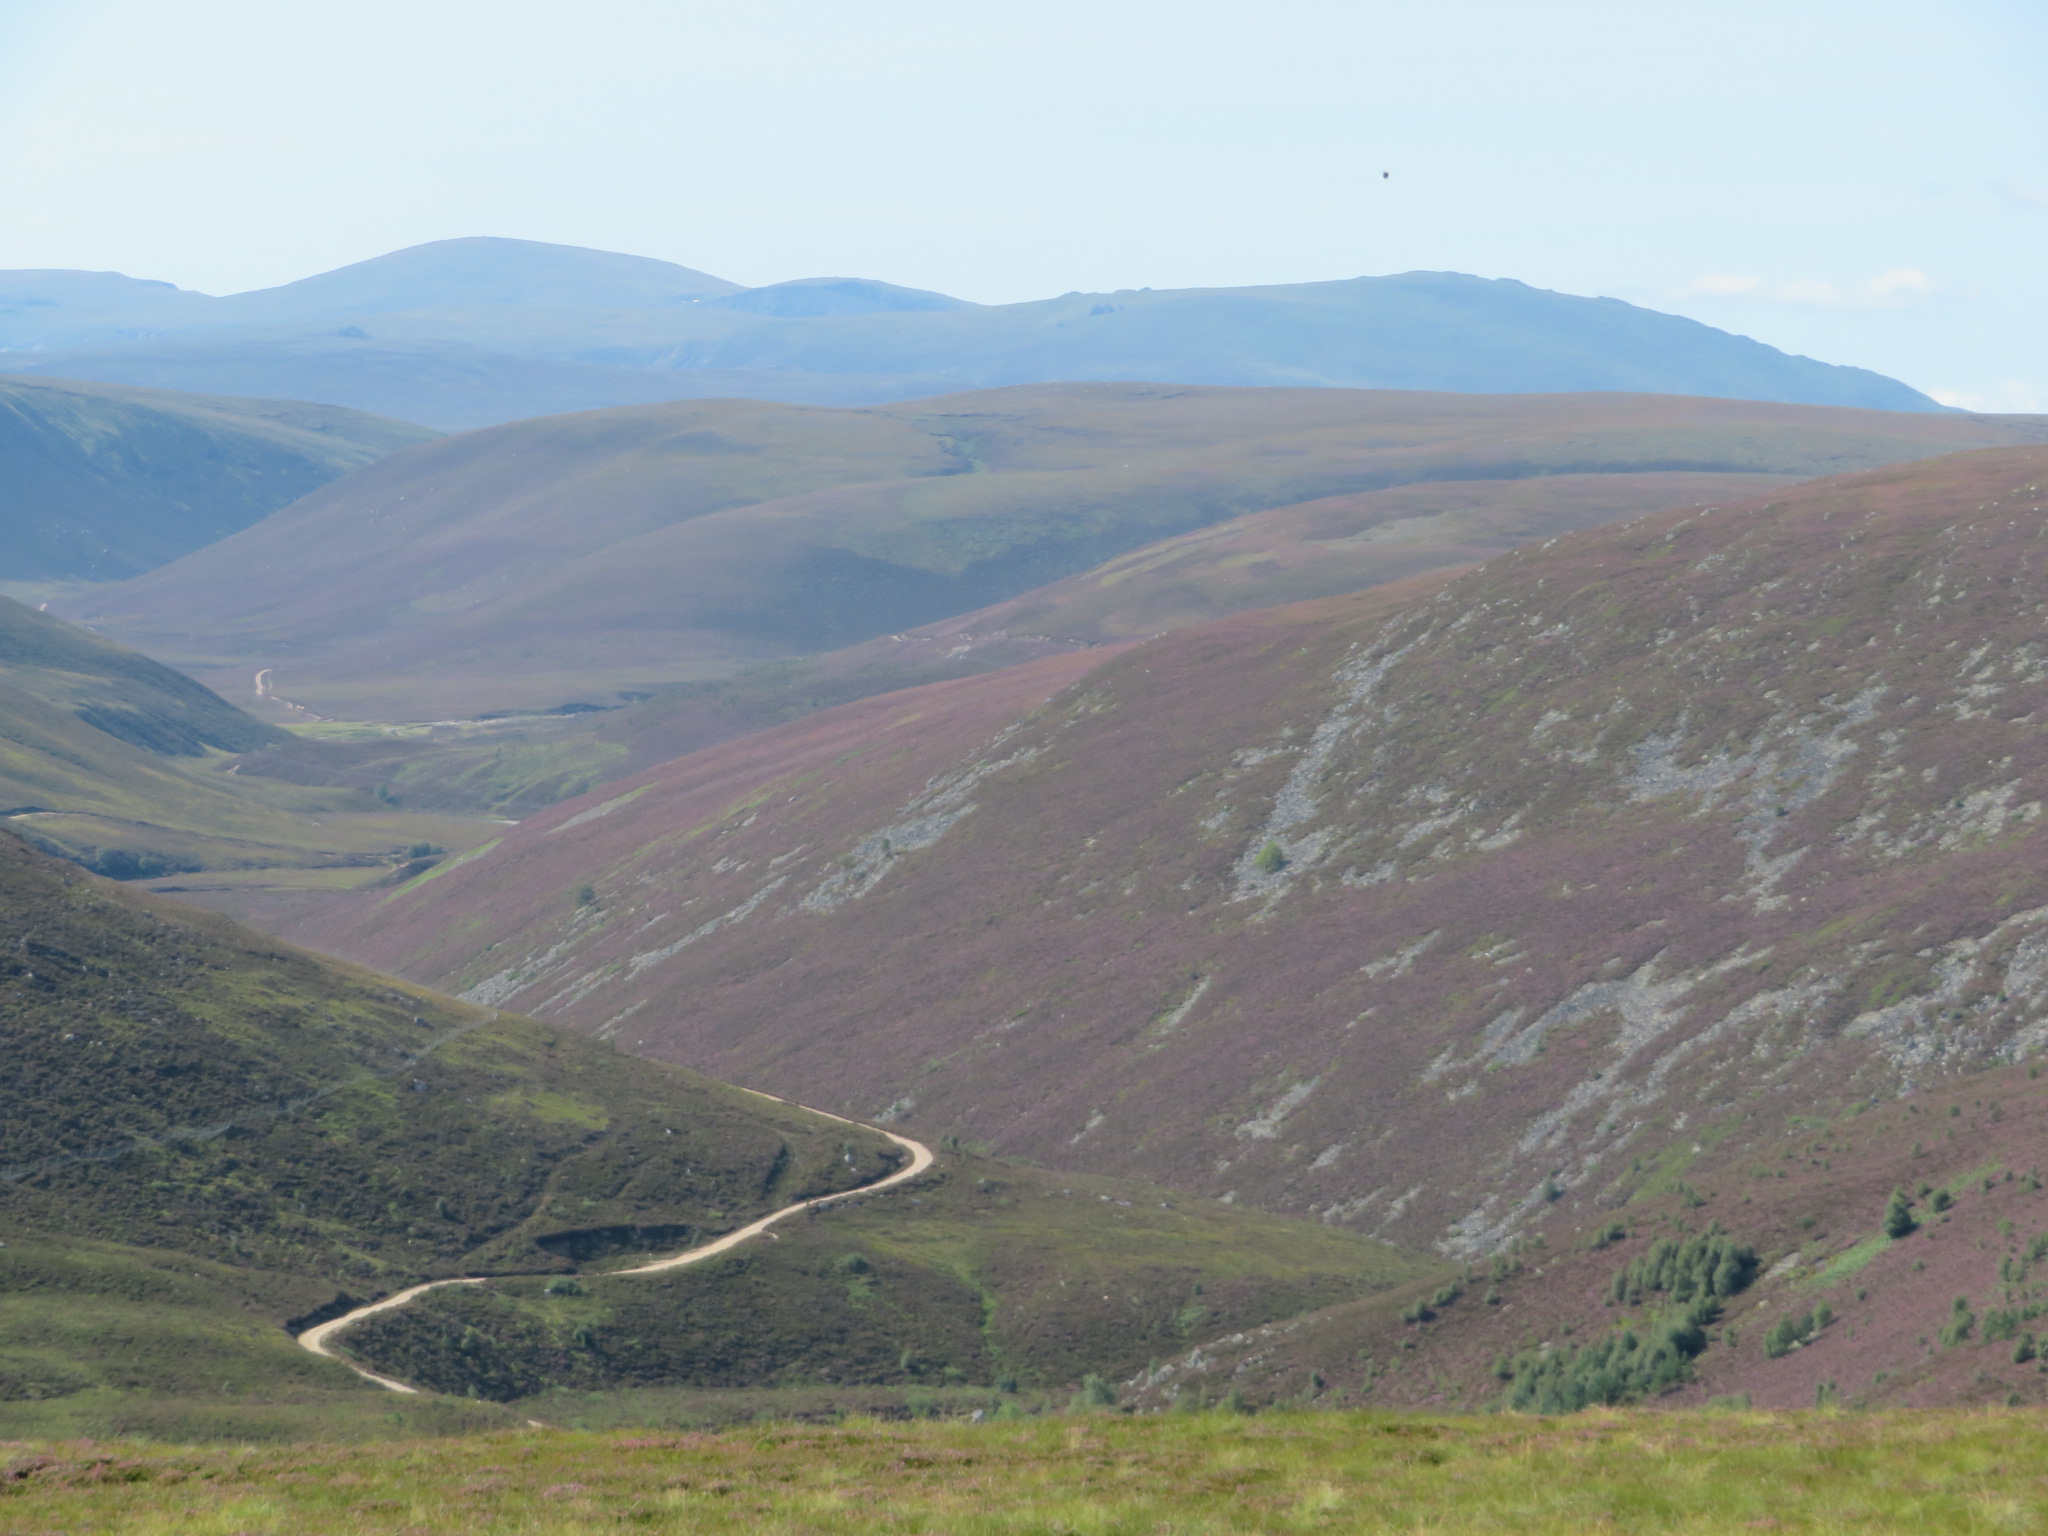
(1941, 1200)
(586, 896)
(1898, 1216)
(564, 1286)
(2023, 1351)
(1961, 1323)
(1096, 1392)
(1270, 860)
(1789, 1332)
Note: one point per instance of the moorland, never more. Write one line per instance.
(1389, 902)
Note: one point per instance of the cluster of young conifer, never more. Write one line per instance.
(1708, 1265)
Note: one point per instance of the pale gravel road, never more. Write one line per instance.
(316, 1338)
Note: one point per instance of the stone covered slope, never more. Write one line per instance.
(1429, 914)
(1810, 1204)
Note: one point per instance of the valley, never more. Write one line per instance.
(1378, 900)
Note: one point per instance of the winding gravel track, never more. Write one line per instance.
(317, 1338)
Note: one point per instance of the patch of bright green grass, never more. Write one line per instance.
(1193, 1474)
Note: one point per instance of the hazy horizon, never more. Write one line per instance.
(1856, 184)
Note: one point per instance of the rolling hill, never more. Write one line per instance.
(579, 558)
(209, 1139)
(116, 761)
(208, 1134)
(1452, 911)
(471, 332)
(98, 482)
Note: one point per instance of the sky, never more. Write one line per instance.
(1863, 181)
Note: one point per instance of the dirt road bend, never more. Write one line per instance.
(319, 1338)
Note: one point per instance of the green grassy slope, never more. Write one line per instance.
(990, 1273)
(581, 558)
(101, 481)
(204, 1134)
(1923, 1474)
(116, 761)
(120, 692)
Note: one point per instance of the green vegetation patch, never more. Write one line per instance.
(984, 1274)
(1205, 1473)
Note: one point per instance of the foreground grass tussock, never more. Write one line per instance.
(1931, 1472)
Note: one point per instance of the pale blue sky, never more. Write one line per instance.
(1865, 181)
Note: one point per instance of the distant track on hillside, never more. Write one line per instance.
(316, 1338)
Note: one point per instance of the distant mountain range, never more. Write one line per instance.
(466, 333)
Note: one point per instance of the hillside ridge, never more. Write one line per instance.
(1441, 911)
(580, 558)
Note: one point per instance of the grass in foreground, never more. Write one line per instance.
(1189, 1474)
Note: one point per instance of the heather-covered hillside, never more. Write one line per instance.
(579, 559)
(1442, 913)
(208, 1139)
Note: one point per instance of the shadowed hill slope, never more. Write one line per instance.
(98, 482)
(577, 558)
(119, 691)
(1431, 914)
(114, 760)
